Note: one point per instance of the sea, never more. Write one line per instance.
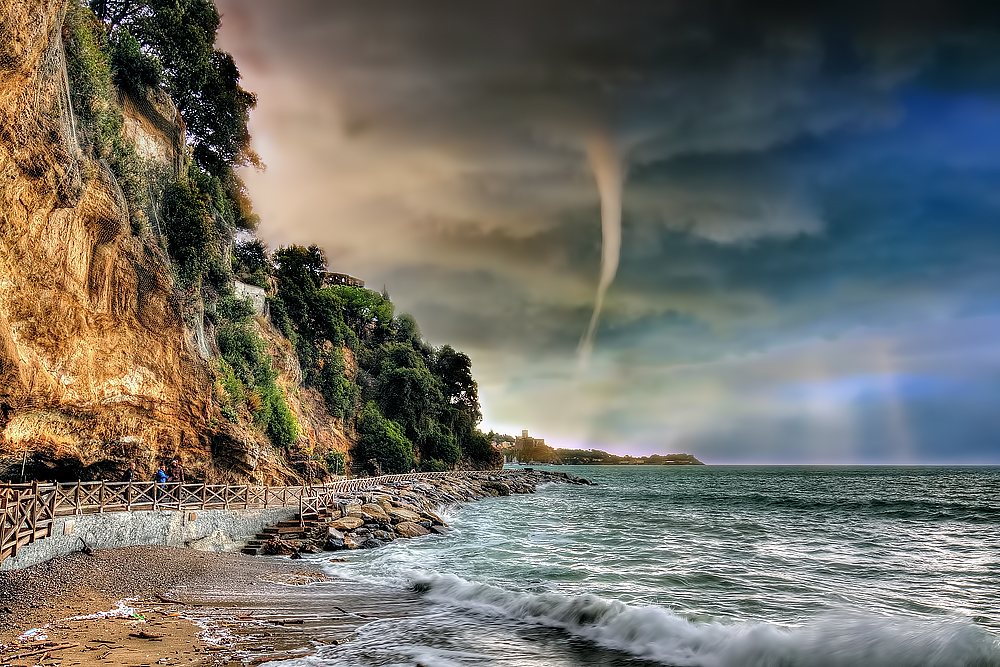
(691, 566)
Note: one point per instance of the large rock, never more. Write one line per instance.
(500, 488)
(278, 547)
(347, 523)
(398, 514)
(374, 513)
(438, 521)
(410, 529)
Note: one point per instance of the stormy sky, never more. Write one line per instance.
(810, 209)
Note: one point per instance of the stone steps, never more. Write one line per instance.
(294, 529)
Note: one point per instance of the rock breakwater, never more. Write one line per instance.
(406, 509)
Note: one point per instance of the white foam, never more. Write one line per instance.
(843, 640)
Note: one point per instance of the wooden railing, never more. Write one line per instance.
(26, 513)
(27, 510)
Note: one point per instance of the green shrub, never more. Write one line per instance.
(189, 229)
(433, 465)
(229, 412)
(383, 440)
(339, 392)
(281, 427)
(234, 310)
(335, 462)
(232, 384)
(133, 69)
(439, 443)
(479, 451)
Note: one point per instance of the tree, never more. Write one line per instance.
(133, 69)
(252, 256)
(189, 229)
(454, 370)
(383, 440)
(179, 37)
(298, 273)
(368, 314)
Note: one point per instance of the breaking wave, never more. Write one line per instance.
(843, 640)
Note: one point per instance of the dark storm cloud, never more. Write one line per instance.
(798, 172)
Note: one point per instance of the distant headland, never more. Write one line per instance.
(526, 449)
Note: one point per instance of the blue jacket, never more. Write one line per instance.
(161, 476)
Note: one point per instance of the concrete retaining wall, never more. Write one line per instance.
(208, 530)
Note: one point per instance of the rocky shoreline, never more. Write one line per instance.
(407, 509)
(235, 607)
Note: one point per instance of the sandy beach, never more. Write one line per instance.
(57, 612)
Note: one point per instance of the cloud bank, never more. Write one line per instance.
(808, 235)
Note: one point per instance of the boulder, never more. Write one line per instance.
(500, 488)
(435, 519)
(398, 514)
(440, 530)
(279, 547)
(375, 517)
(347, 523)
(410, 529)
(373, 509)
(371, 543)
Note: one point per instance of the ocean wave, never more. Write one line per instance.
(897, 508)
(844, 640)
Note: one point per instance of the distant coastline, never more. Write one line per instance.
(597, 457)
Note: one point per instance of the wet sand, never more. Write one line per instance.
(229, 608)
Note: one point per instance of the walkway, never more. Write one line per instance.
(28, 510)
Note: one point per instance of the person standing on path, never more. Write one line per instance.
(161, 479)
(176, 471)
(128, 478)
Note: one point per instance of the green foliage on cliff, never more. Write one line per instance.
(251, 262)
(133, 69)
(382, 440)
(416, 403)
(98, 119)
(427, 394)
(173, 41)
(247, 374)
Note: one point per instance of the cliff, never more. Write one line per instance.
(125, 332)
(94, 367)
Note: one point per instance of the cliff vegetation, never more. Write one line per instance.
(124, 331)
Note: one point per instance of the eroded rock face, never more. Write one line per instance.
(94, 371)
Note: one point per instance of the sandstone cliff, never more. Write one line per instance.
(95, 369)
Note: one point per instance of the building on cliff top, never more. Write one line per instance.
(330, 279)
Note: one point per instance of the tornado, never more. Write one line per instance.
(607, 167)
